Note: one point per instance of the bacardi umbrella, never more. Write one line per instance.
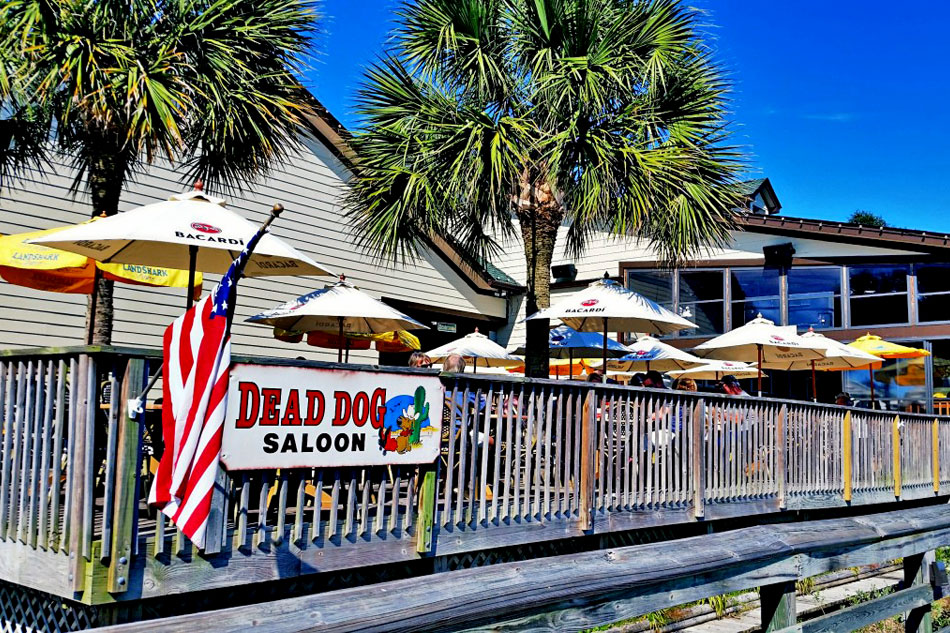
(43, 268)
(649, 353)
(340, 308)
(759, 341)
(565, 342)
(481, 350)
(192, 230)
(716, 369)
(606, 305)
(837, 356)
(879, 348)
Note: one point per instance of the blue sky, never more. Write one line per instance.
(843, 105)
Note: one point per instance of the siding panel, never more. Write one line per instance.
(309, 187)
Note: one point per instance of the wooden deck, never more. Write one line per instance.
(532, 462)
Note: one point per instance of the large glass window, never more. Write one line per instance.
(933, 292)
(655, 285)
(755, 291)
(814, 297)
(878, 294)
(941, 365)
(701, 300)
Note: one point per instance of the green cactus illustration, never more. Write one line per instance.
(422, 413)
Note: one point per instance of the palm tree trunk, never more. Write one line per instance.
(106, 178)
(540, 216)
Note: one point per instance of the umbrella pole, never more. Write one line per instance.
(871, 376)
(474, 364)
(605, 349)
(339, 351)
(93, 301)
(192, 265)
(570, 360)
(759, 350)
(814, 384)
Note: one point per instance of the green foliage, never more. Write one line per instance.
(866, 596)
(115, 84)
(866, 218)
(719, 604)
(606, 114)
(805, 586)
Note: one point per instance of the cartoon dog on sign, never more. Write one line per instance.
(408, 422)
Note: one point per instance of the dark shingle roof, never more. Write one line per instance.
(749, 187)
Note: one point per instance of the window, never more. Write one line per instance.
(701, 300)
(814, 297)
(878, 294)
(655, 285)
(899, 384)
(755, 291)
(933, 292)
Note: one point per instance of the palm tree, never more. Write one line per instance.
(110, 86)
(494, 118)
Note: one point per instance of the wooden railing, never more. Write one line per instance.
(524, 461)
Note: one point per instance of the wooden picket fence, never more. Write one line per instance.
(524, 461)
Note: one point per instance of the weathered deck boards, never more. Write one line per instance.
(578, 591)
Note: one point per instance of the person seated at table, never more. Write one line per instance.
(597, 375)
(730, 386)
(454, 364)
(685, 384)
(844, 399)
(419, 359)
(637, 379)
(654, 380)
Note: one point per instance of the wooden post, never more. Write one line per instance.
(846, 457)
(126, 478)
(917, 572)
(698, 461)
(778, 606)
(77, 468)
(586, 493)
(935, 454)
(214, 532)
(781, 448)
(896, 446)
(426, 514)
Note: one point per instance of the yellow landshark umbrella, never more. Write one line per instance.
(44, 268)
(876, 346)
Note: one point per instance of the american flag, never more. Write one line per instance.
(195, 390)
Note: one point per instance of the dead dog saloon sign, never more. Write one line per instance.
(300, 417)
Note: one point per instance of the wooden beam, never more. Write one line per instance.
(587, 441)
(935, 454)
(588, 589)
(847, 455)
(425, 518)
(778, 606)
(896, 446)
(917, 619)
(126, 478)
(867, 613)
(781, 450)
(698, 463)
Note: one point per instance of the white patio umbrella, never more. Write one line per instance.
(649, 353)
(339, 308)
(837, 355)
(482, 350)
(716, 369)
(761, 341)
(191, 231)
(606, 304)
